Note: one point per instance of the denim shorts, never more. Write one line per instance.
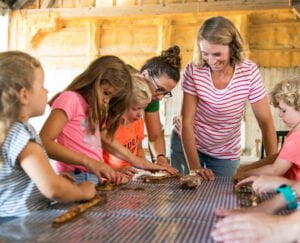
(81, 176)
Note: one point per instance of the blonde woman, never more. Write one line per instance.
(217, 85)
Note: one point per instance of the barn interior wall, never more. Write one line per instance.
(66, 45)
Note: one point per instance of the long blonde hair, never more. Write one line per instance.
(288, 91)
(109, 70)
(16, 72)
(221, 31)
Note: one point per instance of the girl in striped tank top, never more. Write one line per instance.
(27, 180)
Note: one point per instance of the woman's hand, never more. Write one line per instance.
(204, 173)
(164, 162)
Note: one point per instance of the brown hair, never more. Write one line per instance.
(16, 72)
(288, 91)
(109, 70)
(168, 63)
(221, 31)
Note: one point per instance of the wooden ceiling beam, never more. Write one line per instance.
(165, 9)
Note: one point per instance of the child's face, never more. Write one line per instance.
(37, 98)
(288, 114)
(106, 91)
(135, 111)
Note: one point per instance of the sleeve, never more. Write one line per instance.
(257, 89)
(290, 149)
(15, 141)
(188, 83)
(68, 102)
(153, 106)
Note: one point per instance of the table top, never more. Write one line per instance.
(136, 212)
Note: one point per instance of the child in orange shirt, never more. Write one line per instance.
(131, 130)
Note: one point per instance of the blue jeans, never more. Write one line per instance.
(220, 167)
(176, 154)
(81, 176)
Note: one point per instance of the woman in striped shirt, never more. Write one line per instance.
(217, 85)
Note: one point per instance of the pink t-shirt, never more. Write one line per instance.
(290, 151)
(75, 135)
(219, 113)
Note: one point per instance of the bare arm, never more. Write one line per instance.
(265, 161)
(32, 159)
(262, 112)
(50, 131)
(155, 133)
(188, 137)
(278, 168)
(116, 149)
(140, 151)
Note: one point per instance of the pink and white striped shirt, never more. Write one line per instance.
(219, 113)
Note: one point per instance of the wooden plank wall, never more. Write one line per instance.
(70, 43)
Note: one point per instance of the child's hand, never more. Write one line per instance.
(264, 184)
(101, 170)
(129, 171)
(88, 190)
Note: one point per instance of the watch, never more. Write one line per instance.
(289, 196)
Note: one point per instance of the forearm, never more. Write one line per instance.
(270, 140)
(264, 170)
(60, 153)
(157, 144)
(65, 191)
(273, 205)
(118, 150)
(189, 146)
(265, 161)
(141, 153)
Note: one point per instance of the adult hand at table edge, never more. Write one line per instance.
(204, 173)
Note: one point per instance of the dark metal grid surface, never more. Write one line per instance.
(160, 213)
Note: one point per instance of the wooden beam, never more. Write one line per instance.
(167, 9)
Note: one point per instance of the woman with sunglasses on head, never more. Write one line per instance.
(217, 85)
(161, 73)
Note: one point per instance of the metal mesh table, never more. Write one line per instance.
(136, 212)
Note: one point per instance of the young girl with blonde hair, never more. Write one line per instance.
(26, 176)
(131, 130)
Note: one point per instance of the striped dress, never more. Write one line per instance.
(18, 194)
(219, 113)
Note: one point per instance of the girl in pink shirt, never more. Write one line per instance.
(89, 108)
